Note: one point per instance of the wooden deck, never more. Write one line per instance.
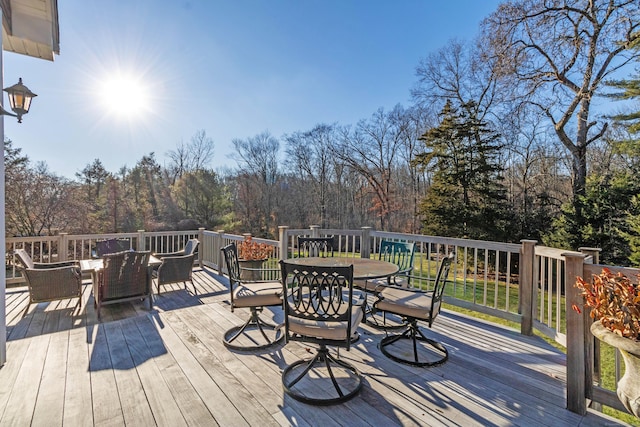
(169, 367)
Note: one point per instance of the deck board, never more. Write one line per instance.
(169, 367)
(50, 400)
(78, 409)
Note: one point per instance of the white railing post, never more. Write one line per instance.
(141, 242)
(576, 342)
(63, 245)
(283, 241)
(527, 300)
(592, 346)
(200, 250)
(594, 253)
(217, 245)
(365, 244)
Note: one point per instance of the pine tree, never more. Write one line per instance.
(466, 197)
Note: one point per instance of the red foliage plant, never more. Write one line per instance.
(248, 249)
(613, 300)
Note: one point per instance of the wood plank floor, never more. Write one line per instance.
(168, 367)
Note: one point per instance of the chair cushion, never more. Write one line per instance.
(325, 330)
(257, 294)
(405, 303)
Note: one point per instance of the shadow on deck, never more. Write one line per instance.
(168, 366)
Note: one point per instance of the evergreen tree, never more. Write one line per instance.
(466, 197)
(608, 208)
(629, 89)
(633, 236)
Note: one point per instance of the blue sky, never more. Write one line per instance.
(231, 68)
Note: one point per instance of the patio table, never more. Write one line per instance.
(363, 268)
(95, 264)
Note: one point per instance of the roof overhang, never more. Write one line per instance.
(30, 27)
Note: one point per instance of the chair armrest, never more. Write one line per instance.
(168, 254)
(380, 289)
(404, 272)
(49, 265)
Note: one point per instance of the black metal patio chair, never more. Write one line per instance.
(321, 307)
(315, 246)
(254, 295)
(414, 305)
(400, 254)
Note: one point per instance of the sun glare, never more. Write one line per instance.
(124, 95)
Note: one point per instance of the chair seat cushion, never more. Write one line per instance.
(325, 330)
(257, 294)
(405, 302)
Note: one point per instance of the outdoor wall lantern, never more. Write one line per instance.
(19, 99)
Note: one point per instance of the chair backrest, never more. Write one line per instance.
(191, 246)
(230, 253)
(318, 294)
(398, 253)
(315, 246)
(124, 274)
(439, 285)
(24, 258)
(110, 246)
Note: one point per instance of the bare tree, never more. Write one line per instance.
(257, 159)
(311, 156)
(372, 149)
(192, 157)
(36, 201)
(460, 73)
(560, 52)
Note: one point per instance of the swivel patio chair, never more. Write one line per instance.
(400, 254)
(315, 247)
(321, 307)
(125, 276)
(50, 281)
(254, 295)
(414, 305)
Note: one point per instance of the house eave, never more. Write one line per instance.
(30, 27)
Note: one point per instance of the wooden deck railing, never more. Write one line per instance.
(524, 283)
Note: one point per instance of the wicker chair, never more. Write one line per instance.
(111, 246)
(50, 281)
(175, 269)
(255, 296)
(125, 276)
(321, 307)
(414, 305)
(315, 246)
(189, 248)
